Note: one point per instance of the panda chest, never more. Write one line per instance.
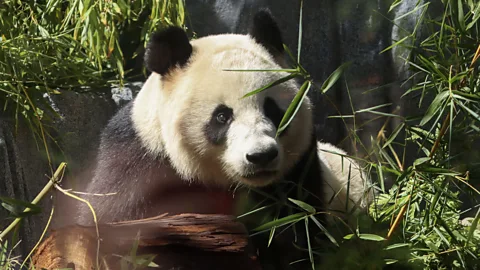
(166, 192)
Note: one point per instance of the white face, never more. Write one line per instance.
(216, 135)
(252, 152)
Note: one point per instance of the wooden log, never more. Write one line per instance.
(186, 241)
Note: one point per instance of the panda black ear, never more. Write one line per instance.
(167, 49)
(265, 31)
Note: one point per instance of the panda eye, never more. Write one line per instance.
(222, 115)
(222, 118)
(217, 127)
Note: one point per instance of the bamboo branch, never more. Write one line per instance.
(37, 199)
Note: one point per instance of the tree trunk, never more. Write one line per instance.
(186, 241)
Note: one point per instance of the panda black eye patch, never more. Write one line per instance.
(273, 112)
(216, 129)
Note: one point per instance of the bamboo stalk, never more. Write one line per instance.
(37, 199)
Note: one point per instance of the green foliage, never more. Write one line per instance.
(134, 261)
(54, 45)
(425, 196)
(7, 261)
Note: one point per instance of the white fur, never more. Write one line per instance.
(250, 133)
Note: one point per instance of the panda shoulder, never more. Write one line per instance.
(120, 127)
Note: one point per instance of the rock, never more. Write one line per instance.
(24, 165)
(122, 95)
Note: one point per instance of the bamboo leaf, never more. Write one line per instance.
(280, 222)
(293, 107)
(310, 209)
(411, 11)
(373, 108)
(272, 231)
(333, 78)
(394, 135)
(19, 203)
(289, 70)
(420, 161)
(290, 54)
(300, 29)
(476, 15)
(395, 44)
(434, 107)
(473, 227)
(310, 253)
(365, 236)
(181, 12)
(395, 246)
(324, 230)
(471, 97)
(394, 4)
(461, 19)
(270, 85)
(472, 113)
(371, 237)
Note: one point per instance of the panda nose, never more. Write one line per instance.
(263, 158)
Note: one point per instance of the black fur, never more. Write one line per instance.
(274, 113)
(216, 131)
(166, 49)
(265, 31)
(122, 162)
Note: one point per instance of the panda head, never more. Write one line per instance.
(192, 112)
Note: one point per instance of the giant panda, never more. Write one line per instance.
(190, 140)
